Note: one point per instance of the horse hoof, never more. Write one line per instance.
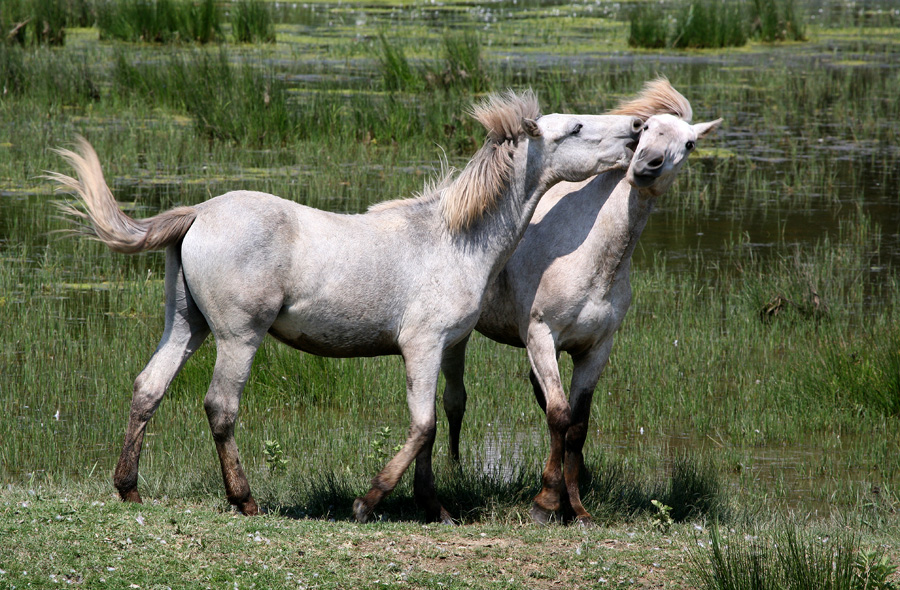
(540, 516)
(585, 522)
(446, 519)
(131, 496)
(249, 508)
(361, 511)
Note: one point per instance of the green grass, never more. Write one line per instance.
(251, 22)
(790, 559)
(701, 24)
(160, 21)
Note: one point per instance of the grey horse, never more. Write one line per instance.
(567, 287)
(406, 278)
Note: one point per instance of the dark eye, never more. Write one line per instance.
(646, 127)
(577, 128)
(689, 145)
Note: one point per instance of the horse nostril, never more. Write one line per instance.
(637, 125)
(656, 163)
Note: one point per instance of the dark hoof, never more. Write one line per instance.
(443, 517)
(131, 496)
(541, 516)
(361, 511)
(248, 507)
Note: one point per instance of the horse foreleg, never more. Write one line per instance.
(233, 361)
(543, 356)
(421, 388)
(585, 375)
(453, 366)
(185, 330)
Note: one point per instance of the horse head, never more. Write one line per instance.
(665, 144)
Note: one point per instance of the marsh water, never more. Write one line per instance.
(783, 175)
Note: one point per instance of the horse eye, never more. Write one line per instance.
(689, 145)
(646, 127)
(577, 129)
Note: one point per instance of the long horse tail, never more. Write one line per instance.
(105, 220)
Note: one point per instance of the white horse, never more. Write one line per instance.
(567, 287)
(406, 278)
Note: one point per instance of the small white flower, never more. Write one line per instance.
(676, 342)
(139, 519)
(642, 430)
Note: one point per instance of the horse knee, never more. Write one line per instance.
(559, 418)
(424, 431)
(455, 403)
(221, 416)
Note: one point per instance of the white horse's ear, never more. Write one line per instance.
(531, 127)
(704, 129)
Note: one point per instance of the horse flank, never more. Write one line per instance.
(657, 96)
(108, 223)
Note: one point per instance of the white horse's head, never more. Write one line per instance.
(576, 147)
(665, 144)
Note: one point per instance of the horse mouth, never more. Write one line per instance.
(643, 180)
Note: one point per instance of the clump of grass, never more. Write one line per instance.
(396, 71)
(690, 489)
(160, 21)
(648, 27)
(252, 22)
(777, 20)
(462, 66)
(788, 560)
(709, 23)
(45, 20)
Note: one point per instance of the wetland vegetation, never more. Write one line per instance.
(755, 382)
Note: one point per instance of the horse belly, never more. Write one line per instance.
(335, 337)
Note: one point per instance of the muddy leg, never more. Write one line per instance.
(233, 361)
(549, 502)
(421, 388)
(586, 373)
(185, 330)
(453, 367)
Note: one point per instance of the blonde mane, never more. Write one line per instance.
(657, 97)
(465, 197)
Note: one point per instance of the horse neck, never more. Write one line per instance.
(496, 235)
(620, 220)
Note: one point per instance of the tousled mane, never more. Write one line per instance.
(464, 197)
(657, 97)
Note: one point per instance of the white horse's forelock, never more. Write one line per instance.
(657, 97)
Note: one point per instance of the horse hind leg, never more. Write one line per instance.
(234, 358)
(453, 367)
(185, 330)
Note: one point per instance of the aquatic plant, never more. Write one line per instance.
(251, 22)
(159, 21)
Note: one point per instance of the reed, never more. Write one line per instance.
(160, 21)
(251, 22)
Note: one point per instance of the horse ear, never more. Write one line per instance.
(531, 127)
(704, 129)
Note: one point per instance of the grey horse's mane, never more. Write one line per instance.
(657, 97)
(464, 197)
